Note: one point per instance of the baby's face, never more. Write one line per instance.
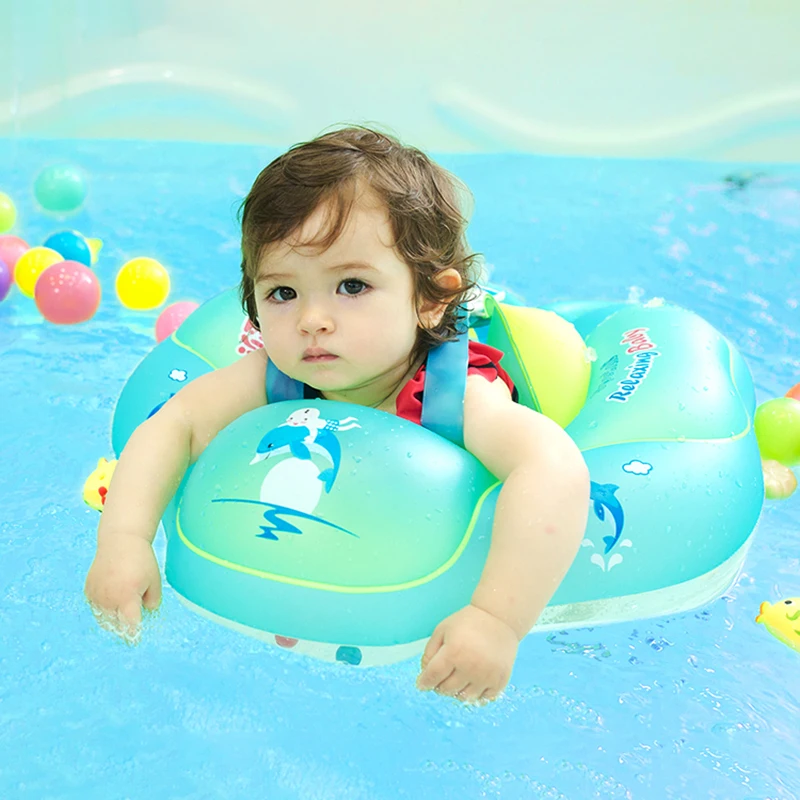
(353, 301)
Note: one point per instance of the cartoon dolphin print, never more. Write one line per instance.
(303, 431)
(295, 439)
(280, 439)
(603, 496)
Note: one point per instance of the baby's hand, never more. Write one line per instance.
(469, 656)
(123, 577)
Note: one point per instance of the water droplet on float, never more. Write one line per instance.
(681, 406)
(681, 438)
(357, 459)
(409, 455)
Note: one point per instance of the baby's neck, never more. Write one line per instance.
(379, 394)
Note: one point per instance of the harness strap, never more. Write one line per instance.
(442, 397)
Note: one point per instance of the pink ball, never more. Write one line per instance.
(172, 317)
(11, 248)
(5, 279)
(67, 292)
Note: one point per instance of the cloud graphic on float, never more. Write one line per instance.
(178, 375)
(636, 467)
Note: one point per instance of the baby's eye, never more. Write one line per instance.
(281, 294)
(352, 286)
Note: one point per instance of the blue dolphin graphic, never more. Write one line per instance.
(603, 496)
(293, 437)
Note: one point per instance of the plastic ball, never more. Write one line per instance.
(60, 188)
(31, 265)
(172, 317)
(8, 213)
(67, 293)
(11, 248)
(794, 392)
(142, 284)
(95, 245)
(777, 424)
(6, 279)
(779, 481)
(71, 245)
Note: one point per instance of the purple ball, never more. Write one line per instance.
(5, 280)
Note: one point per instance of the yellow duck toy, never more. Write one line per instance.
(96, 486)
(782, 620)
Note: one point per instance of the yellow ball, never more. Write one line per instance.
(8, 213)
(142, 284)
(95, 246)
(31, 264)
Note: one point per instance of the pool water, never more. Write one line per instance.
(703, 705)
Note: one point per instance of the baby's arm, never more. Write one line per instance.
(539, 522)
(124, 575)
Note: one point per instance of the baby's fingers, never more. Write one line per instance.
(439, 668)
(123, 621)
(130, 614)
(433, 645)
(456, 685)
(489, 696)
(151, 599)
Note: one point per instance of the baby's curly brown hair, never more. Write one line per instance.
(423, 201)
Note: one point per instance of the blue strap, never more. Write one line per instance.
(443, 394)
(445, 385)
(280, 386)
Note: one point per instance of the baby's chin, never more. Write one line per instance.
(353, 391)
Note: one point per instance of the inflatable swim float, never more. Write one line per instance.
(347, 533)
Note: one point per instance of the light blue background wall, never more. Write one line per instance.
(718, 80)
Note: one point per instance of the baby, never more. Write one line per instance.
(354, 265)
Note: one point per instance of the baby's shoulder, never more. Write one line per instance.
(230, 390)
(245, 376)
(214, 400)
(482, 389)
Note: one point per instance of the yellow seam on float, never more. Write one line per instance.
(344, 589)
(681, 439)
(191, 350)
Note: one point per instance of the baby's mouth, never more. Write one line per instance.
(315, 355)
(319, 359)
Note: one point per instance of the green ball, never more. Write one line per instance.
(777, 425)
(8, 213)
(60, 188)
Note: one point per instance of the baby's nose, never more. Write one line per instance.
(315, 319)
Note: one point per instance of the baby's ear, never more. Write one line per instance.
(430, 313)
